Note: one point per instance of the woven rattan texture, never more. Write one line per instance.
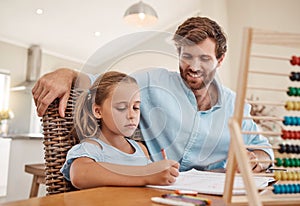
(59, 137)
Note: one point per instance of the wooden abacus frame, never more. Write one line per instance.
(237, 154)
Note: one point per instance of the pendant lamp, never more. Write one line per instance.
(140, 14)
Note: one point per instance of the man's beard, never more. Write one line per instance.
(203, 81)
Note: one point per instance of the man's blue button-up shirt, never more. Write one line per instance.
(170, 120)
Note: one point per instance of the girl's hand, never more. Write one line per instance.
(163, 172)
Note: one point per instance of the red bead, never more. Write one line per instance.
(292, 135)
(294, 60)
(297, 134)
(283, 134)
(288, 134)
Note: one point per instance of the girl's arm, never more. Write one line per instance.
(86, 173)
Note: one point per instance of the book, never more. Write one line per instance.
(211, 182)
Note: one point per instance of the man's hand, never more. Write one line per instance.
(259, 160)
(53, 85)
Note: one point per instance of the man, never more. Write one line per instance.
(186, 114)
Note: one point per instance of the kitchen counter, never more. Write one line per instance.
(24, 149)
(24, 136)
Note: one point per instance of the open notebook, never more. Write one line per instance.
(210, 182)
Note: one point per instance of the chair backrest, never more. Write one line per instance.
(59, 137)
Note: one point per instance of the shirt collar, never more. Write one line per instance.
(219, 87)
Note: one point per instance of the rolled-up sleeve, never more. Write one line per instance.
(255, 139)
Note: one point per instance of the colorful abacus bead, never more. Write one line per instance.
(288, 134)
(286, 148)
(286, 162)
(289, 176)
(298, 91)
(295, 76)
(278, 162)
(287, 120)
(297, 105)
(286, 188)
(295, 60)
(292, 91)
(285, 134)
(289, 105)
(292, 105)
(281, 148)
(293, 121)
(297, 134)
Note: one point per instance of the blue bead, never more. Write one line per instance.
(283, 189)
(297, 188)
(292, 188)
(287, 188)
(286, 120)
(277, 189)
(294, 120)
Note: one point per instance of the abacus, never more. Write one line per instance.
(285, 140)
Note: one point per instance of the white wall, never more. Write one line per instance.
(14, 59)
(275, 15)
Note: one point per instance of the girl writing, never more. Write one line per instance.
(105, 116)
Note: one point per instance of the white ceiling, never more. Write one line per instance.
(67, 27)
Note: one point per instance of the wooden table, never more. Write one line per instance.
(125, 196)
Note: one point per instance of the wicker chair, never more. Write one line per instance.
(59, 137)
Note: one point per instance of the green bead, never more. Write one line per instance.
(286, 162)
(278, 162)
(293, 162)
(297, 91)
(293, 91)
(297, 162)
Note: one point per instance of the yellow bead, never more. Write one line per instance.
(277, 175)
(290, 175)
(284, 176)
(297, 175)
(297, 105)
(289, 105)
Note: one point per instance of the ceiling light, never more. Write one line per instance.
(97, 33)
(39, 11)
(140, 14)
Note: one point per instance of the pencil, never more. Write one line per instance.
(164, 154)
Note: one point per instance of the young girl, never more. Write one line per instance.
(104, 117)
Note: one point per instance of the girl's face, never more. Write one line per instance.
(120, 112)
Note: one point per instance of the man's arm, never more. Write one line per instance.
(57, 84)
